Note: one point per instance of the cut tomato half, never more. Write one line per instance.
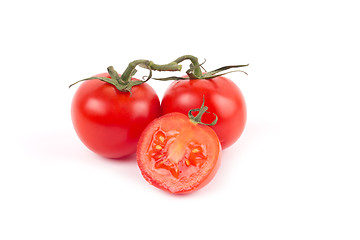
(177, 155)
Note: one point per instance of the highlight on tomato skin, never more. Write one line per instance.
(177, 155)
(109, 122)
(223, 97)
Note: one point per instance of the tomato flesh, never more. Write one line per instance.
(170, 152)
(177, 155)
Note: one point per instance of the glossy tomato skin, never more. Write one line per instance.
(222, 96)
(109, 122)
(195, 149)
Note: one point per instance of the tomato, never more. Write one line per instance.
(177, 155)
(108, 121)
(223, 97)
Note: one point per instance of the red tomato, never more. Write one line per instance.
(109, 122)
(223, 97)
(178, 155)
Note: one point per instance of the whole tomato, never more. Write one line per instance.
(108, 121)
(223, 97)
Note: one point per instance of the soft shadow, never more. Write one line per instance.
(64, 145)
(131, 157)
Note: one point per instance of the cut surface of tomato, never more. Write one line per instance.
(177, 155)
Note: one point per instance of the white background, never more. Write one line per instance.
(294, 173)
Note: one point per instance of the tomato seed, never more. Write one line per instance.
(195, 150)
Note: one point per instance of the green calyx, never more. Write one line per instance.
(124, 83)
(197, 119)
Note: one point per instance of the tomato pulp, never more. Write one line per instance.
(223, 97)
(178, 155)
(108, 121)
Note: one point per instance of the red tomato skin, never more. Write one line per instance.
(109, 122)
(222, 96)
(143, 147)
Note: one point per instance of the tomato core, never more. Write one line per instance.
(170, 152)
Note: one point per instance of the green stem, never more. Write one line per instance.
(194, 60)
(126, 76)
(199, 115)
(173, 66)
(113, 74)
(201, 111)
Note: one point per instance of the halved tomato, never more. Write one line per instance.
(178, 155)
